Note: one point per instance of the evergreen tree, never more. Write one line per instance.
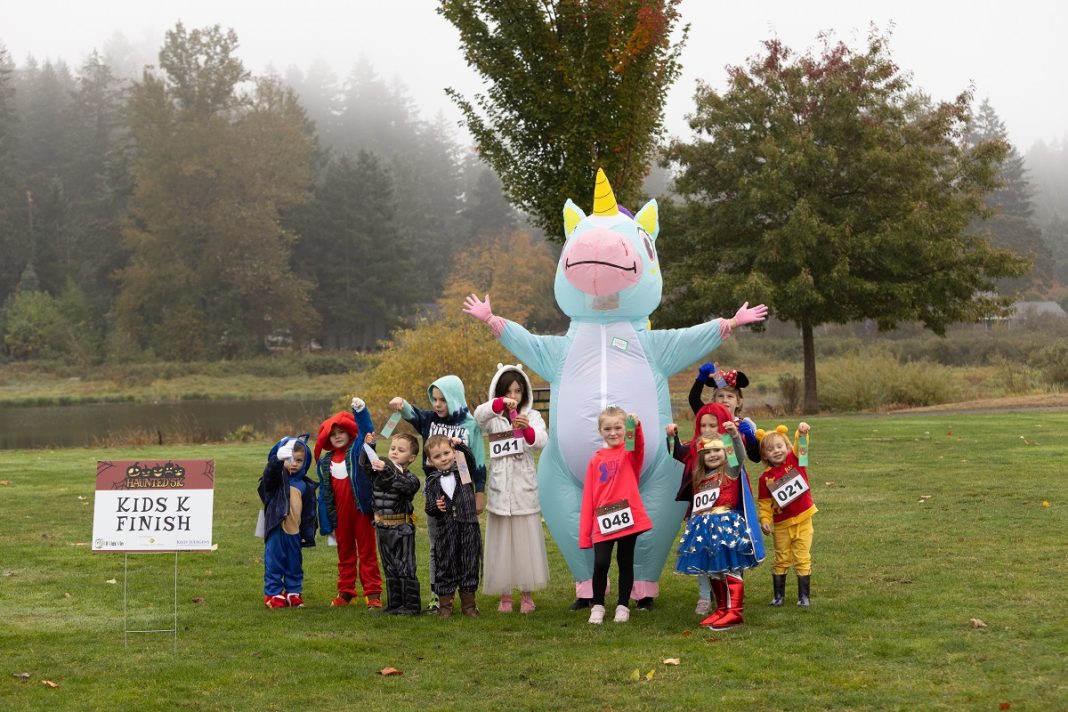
(1010, 225)
(210, 271)
(363, 272)
(12, 223)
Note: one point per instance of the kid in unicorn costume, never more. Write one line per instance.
(345, 503)
(608, 281)
(289, 521)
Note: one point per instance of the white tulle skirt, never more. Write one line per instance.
(514, 554)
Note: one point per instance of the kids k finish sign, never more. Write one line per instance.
(144, 505)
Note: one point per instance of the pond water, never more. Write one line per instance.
(92, 424)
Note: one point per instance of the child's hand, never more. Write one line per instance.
(510, 403)
(480, 502)
(358, 405)
(730, 428)
(397, 404)
(672, 430)
(378, 465)
(441, 504)
(521, 421)
(456, 441)
(765, 527)
(803, 428)
(285, 452)
(370, 438)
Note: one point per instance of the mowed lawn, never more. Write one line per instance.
(939, 582)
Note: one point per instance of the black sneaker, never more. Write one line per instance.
(645, 604)
(580, 603)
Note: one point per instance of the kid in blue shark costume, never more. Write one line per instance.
(289, 521)
(608, 282)
(449, 416)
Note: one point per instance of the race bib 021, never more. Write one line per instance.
(788, 488)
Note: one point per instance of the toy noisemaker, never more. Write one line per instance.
(391, 424)
(628, 436)
(511, 419)
(802, 450)
(728, 447)
(717, 378)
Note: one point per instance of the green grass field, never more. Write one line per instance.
(925, 523)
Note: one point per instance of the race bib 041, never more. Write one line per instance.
(505, 444)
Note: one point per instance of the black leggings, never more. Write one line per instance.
(602, 559)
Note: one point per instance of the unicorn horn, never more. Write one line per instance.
(604, 200)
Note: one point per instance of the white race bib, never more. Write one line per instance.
(791, 486)
(705, 500)
(505, 444)
(614, 517)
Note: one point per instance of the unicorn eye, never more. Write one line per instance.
(648, 244)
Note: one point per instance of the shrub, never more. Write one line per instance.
(1053, 361)
(876, 381)
(790, 390)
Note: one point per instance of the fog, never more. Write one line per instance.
(1007, 51)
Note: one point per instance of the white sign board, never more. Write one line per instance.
(146, 505)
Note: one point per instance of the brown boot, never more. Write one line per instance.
(445, 606)
(467, 604)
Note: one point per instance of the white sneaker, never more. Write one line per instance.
(704, 607)
(597, 615)
(622, 614)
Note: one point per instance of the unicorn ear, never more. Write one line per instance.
(573, 215)
(649, 218)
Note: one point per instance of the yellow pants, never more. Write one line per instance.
(793, 545)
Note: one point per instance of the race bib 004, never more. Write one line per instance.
(705, 497)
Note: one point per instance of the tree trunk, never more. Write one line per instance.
(810, 404)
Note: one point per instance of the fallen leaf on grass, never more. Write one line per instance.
(1004, 706)
(255, 653)
(7, 573)
(649, 675)
(829, 484)
(5, 482)
(66, 595)
(82, 499)
(1026, 441)
(390, 671)
(198, 599)
(977, 623)
(21, 675)
(671, 661)
(78, 543)
(636, 675)
(111, 581)
(1045, 503)
(49, 683)
(687, 633)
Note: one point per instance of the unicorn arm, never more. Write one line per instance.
(675, 349)
(544, 354)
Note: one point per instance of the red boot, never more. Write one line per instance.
(719, 592)
(735, 598)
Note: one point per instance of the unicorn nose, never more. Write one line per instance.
(601, 262)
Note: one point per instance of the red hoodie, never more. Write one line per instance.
(612, 477)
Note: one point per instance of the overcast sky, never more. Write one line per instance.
(1007, 50)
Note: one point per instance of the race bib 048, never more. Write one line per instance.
(614, 517)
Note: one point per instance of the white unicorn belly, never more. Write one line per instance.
(605, 365)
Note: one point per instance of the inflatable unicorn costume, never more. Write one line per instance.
(608, 282)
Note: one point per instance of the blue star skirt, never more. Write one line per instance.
(714, 544)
